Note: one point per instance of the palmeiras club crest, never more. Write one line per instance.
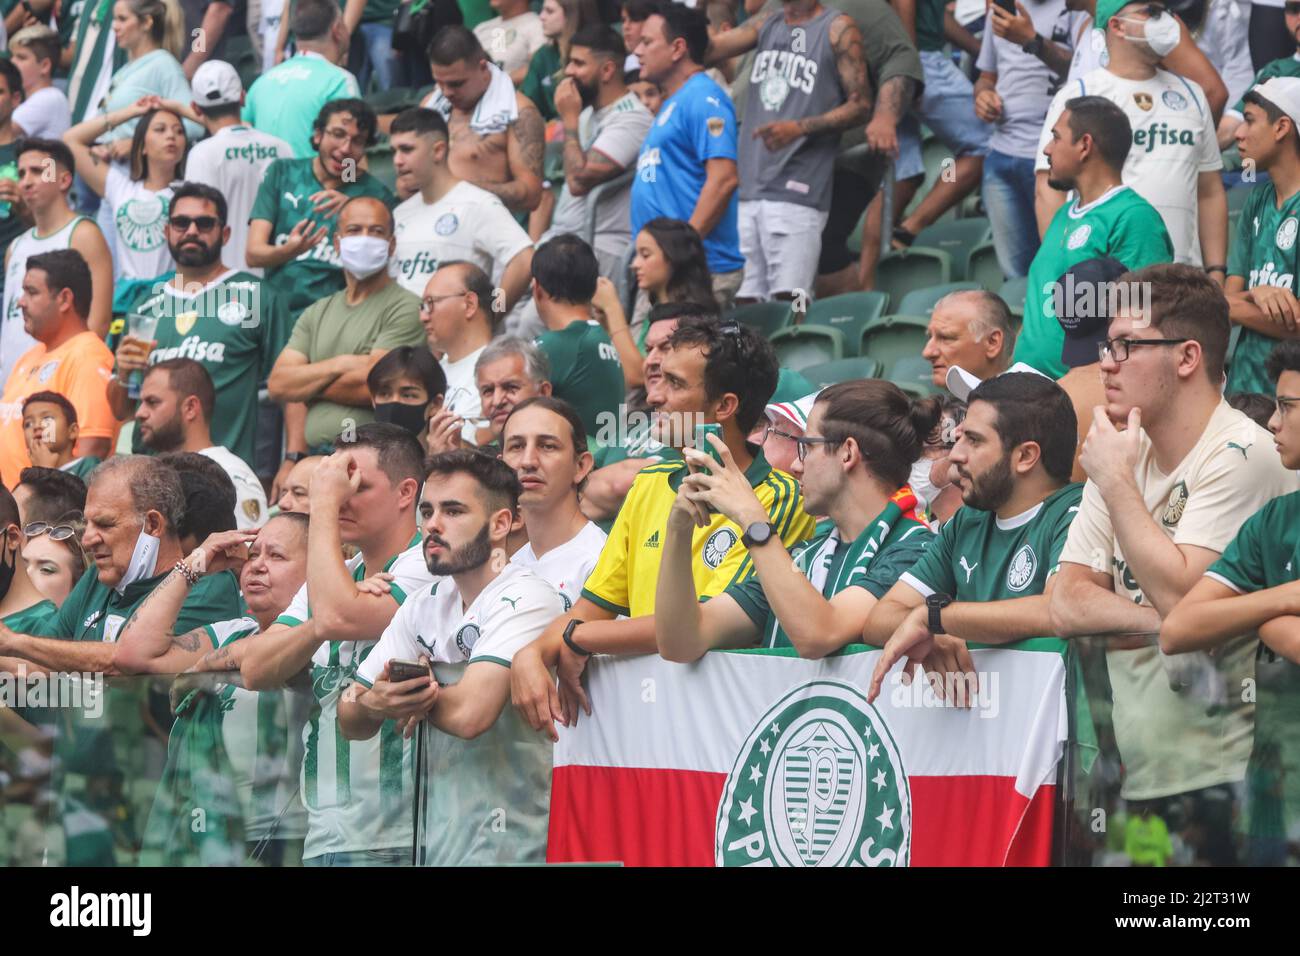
(819, 782)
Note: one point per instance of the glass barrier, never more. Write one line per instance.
(1191, 760)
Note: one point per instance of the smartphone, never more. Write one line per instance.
(1008, 5)
(399, 671)
(704, 445)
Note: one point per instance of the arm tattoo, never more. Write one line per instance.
(896, 94)
(851, 64)
(219, 660)
(531, 136)
(190, 641)
(585, 171)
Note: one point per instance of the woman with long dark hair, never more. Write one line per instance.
(669, 266)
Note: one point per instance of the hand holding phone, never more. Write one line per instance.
(399, 670)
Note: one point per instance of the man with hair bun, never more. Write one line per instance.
(852, 463)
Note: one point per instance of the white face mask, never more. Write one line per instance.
(363, 256)
(1160, 33)
(919, 481)
(144, 561)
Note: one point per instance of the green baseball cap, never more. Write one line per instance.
(1107, 9)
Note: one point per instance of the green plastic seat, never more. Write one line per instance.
(922, 301)
(1013, 294)
(764, 318)
(983, 268)
(958, 238)
(919, 267)
(850, 313)
(803, 346)
(912, 375)
(891, 338)
(843, 370)
(379, 163)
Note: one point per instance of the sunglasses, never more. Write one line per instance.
(57, 532)
(204, 223)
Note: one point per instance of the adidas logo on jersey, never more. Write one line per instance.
(652, 541)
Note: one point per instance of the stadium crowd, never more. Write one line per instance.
(344, 341)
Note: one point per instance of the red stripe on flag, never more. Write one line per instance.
(652, 817)
(639, 816)
(979, 821)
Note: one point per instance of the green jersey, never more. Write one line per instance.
(386, 320)
(873, 561)
(539, 84)
(1266, 551)
(96, 612)
(1283, 66)
(585, 370)
(81, 467)
(286, 99)
(358, 793)
(11, 224)
(1120, 224)
(31, 620)
(980, 557)
(284, 200)
(235, 328)
(1263, 253)
(929, 24)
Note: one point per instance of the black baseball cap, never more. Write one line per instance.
(1082, 300)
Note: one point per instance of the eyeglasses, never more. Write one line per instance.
(57, 532)
(801, 445)
(1283, 402)
(429, 301)
(183, 223)
(773, 430)
(1118, 349)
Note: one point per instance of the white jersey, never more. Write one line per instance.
(44, 115)
(262, 735)
(462, 392)
(234, 160)
(358, 793)
(468, 223)
(14, 340)
(139, 217)
(250, 499)
(511, 612)
(1173, 143)
(566, 568)
(511, 43)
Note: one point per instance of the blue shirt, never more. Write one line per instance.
(694, 125)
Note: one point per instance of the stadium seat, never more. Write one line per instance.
(764, 318)
(912, 375)
(393, 100)
(1013, 294)
(843, 370)
(982, 267)
(379, 163)
(922, 301)
(898, 273)
(958, 238)
(803, 346)
(893, 337)
(850, 313)
(1237, 197)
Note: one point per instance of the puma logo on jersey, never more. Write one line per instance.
(511, 601)
(652, 541)
(1241, 448)
(292, 199)
(968, 568)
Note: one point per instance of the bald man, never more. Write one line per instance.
(320, 377)
(972, 330)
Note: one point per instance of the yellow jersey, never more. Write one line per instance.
(627, 573)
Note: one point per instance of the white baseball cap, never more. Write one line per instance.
(1284, 93)
(216, 84)
(796, 412)
(961, 382)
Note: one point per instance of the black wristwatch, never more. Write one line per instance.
(1035, 46)
(936, 603)
(296, 456)
(760, 532)
(568, 638)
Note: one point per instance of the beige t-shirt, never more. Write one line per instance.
(1176, 741)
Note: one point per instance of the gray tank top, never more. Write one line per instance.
(793, 76)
